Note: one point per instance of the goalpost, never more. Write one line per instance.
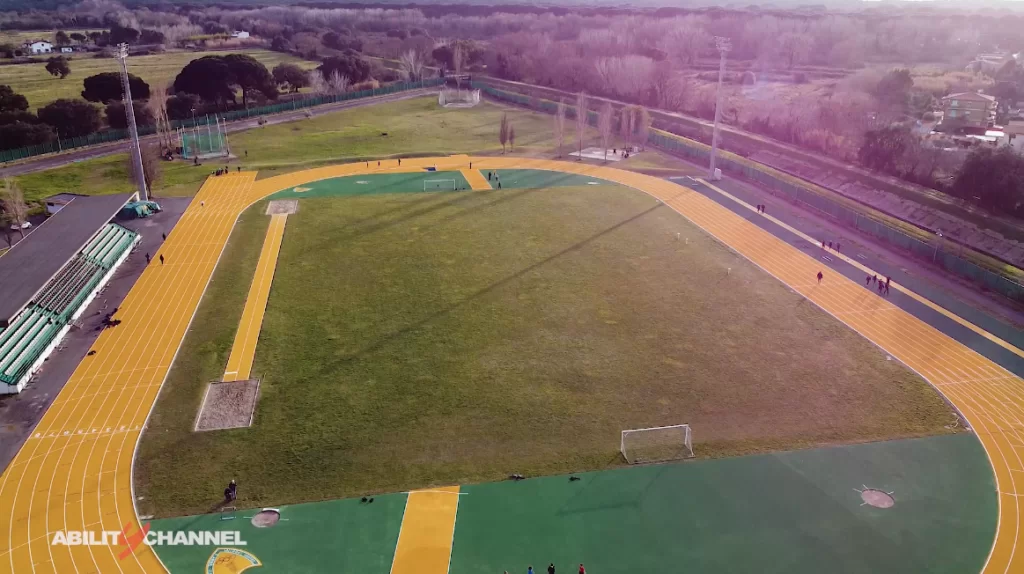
(438, 185)
(657, 444)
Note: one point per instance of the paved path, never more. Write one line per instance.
(75, 471)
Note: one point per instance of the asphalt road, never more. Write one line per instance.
(46, 162)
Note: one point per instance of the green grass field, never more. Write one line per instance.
(33, 81)
(415, 127)
(417, 339)
(19, 37)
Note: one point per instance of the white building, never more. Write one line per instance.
(66, 49)
(241, 34)
(39, 47)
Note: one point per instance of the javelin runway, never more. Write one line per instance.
(74, 472)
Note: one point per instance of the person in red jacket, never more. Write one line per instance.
(582, 569)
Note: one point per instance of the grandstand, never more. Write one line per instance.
(52, 276)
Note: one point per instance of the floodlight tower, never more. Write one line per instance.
(723, 45)
(129, 111)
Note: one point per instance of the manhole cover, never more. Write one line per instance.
(877, 498)
(266, 518)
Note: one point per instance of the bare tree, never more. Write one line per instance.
(6, 221)
(158, 106)
(581, 120)
(14, 204)
(512, 137)
(458, 62)
(411, 62)
(643, 127)
(604, 126)
(152, 170)
(503, 132)
(318, 83)
(626, 123)
(338, 83)
(560, 124)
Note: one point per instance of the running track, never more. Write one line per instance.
(75, 471)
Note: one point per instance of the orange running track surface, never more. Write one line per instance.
(243, 350)
(74, 472)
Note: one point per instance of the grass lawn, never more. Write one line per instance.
(416, 126)
(449, 338)
(33, 81)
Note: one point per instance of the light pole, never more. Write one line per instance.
(195, 134)
(129, 110)
(723, 45)
(938, 241)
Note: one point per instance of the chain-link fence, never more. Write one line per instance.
(954, 258)
(118, 135)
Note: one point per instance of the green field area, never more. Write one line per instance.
(792, 512)
(19, 37)
(417, 339)
(414, 127)
(36, 84)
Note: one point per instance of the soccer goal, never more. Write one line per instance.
(657, 444)
(439, 185)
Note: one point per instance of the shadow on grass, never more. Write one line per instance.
(331, 367)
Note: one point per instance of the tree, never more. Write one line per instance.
(512, 137)
(16, 134)
(995, 177)
(604, 126)
(78, 37)
(106, 87)
(71, 118)
(58, 66)
(208, 77)
(338, 83)
(442, 55)
(560, 124)
(794, 48)
(318, 83)
(123, 35)
(642, 127)
(894, 87)
(291, 77)
(412, 65)
(96, 36)
(151, 37)
(157, 106)
(11, 101)
(627, 123)
(249, 74)
(152, 170)
(180, 106)
(458, 62)
(14, 203)
(581, 120)
(350, 64)
(883, 147)
(503, 132)
(61, 38)
(117, 118)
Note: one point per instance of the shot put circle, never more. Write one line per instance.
(877, 498)
(266, 518)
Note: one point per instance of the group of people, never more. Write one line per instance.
(492, 173)
(760, 208)
(551, 569)
(838, 245)
(883, 286)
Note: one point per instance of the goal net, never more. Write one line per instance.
(439, 185)
(657, 444)
(458, 98)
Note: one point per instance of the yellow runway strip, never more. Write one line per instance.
(476, 179)
(243, 350)
(74, 472)
(425, 540)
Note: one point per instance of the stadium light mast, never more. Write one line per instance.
(723, 45)
(133, 130)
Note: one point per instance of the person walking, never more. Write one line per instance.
(838, 245)
(529, 570)
(551, 568)
(830, 245)
(582, 569)
(164, 235)
(161, 259)
(820, 277)
(147, 259)
(399, 162)
(867, 281)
